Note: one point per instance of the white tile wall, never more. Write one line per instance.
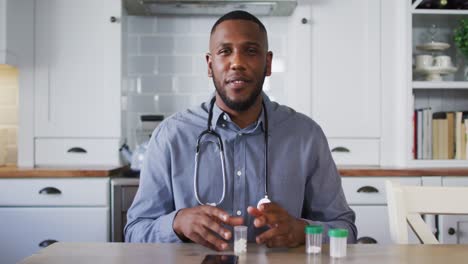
(9, 109)
(167, 68)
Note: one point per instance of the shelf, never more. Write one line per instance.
(439, 12)
(439, 85)
(438, 163)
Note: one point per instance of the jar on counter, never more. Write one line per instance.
(338, 242)
(313, 239)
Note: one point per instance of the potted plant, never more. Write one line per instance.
(460, 38)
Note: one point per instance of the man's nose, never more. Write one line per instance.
(237, 61)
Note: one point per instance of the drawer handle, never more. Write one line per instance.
(340, 149)
(77, 150)
(47, 243)
(367, 189)
(366, 240)
(50, 190)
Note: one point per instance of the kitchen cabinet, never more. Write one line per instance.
(13, 29)
(78, 63)
(453, 229)
(367, 197)
(37, 212)
(346, 77)
(433, 89)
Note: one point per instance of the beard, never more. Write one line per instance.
(244, 105)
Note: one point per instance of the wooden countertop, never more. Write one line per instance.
(384, 172)
(189, 253)
(15, 172)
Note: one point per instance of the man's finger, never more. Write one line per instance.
(260, 221)
(214, 226)
(278, 241)
(271, 208)
(271, 233)
(234, 220)
(216, 212)
(254, 211)
(210, 238)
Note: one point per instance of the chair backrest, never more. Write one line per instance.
(406, 204)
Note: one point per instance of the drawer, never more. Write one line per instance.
(23, 229)
(55, 192)
(76, 152)
(355, 151)
(371, 190)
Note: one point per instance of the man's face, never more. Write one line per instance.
(238, 62)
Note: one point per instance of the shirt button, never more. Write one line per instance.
(240, 134)
(238, 212)
(239, 173)
(223, 125)
(224, 117)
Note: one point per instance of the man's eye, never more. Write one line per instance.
(252, 51)
(224, 51)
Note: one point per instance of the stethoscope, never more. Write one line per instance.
(220, 145)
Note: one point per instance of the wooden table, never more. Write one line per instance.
(103, 253)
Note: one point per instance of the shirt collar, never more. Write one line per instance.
(220, 116)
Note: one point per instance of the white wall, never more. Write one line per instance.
(167, 70)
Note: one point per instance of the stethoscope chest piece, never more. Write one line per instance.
(263, 201)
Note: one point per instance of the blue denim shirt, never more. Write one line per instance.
(303, 178)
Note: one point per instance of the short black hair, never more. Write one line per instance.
(239, 15)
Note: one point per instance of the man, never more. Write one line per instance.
(293, 165)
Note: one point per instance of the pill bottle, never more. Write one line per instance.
(338, 242)
(313, 239)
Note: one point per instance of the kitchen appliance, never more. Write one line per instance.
(123, 191)
(209, 7)
(144, 130)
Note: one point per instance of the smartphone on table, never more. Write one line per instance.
(220, 259)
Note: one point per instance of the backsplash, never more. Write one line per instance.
(9, 110)
(166, 65)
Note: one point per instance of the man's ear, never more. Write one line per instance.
(208, 62)
(269, 59)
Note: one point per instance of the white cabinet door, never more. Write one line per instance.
(24, 230)
(346, 67)
(372, 224)
(78, 68)
(453, 229)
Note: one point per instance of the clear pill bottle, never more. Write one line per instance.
(313, 239)
(338, 242)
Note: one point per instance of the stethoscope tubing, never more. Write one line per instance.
(220, 144)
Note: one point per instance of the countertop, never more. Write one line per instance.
(81, 253)
(15, 172)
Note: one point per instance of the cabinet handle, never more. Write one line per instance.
(47, 243)
(77, 150)
(451, 231)
(367, 189)
(340, 149)
(113, 19)
(50, 190)
(366, 240)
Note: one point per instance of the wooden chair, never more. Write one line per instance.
(406, 204)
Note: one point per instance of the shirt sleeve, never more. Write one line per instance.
(150, 217)
(325, 202)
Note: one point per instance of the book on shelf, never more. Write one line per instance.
(423, 125)
(440, 135)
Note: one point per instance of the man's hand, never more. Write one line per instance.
(202, 225)
(285, 230)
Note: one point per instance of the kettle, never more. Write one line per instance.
(136, 157)
(147, 125)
